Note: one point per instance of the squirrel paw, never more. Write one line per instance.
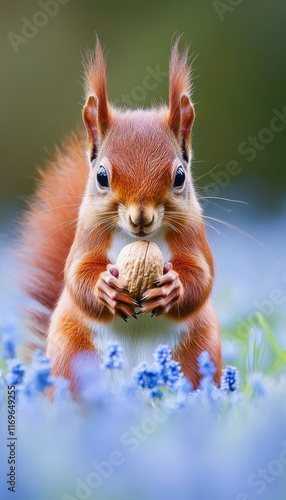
(167, 291)
(114, 296)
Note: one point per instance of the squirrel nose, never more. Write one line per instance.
(132, 222)
(148, 222)
(142, 221)
(138, 218)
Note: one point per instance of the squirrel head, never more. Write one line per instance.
(140, 159)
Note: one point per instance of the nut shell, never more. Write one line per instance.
(139, 264)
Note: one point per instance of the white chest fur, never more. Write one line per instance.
(139, 338)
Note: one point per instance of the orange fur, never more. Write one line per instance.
(179, 85)
(48, 227)
(96, 85)
(71, 233)
(70, 336)
(197, 285)
(206, 339)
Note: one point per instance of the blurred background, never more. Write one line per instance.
(239, 77)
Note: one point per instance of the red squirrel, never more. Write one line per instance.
(132, 181)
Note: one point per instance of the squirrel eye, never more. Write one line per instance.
(179, 178)
(102, 178)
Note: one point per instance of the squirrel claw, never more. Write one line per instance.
(156, 312)
(124, 317)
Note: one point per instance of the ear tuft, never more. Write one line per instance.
(97, 112)
(181, 112)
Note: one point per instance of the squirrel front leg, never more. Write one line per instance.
(94, 286)
(92, 292)
(182, 289)
(67, 337)
(68, 333)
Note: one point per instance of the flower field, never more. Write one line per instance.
(156, 438)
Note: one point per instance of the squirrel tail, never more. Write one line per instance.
(48, 229)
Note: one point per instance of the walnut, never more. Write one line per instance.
(139, 264)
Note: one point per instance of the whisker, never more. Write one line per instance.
(224, 199)
(58, 188)
(232, 226)
(52, 208)
(65, 206)
(168, 224)
(49, 199)
(71, 223)
(86, 173)
(228, 210)
(58, 226)
(206, 224)
(179, 215)
(207, 173)
(63, 224)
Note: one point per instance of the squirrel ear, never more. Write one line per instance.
(187, 113)
(89, 115)
(182, 124)
(96, 113)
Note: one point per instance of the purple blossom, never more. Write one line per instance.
(206, 365)
(164, 373)
(156, 393)
(162, 354)
(169, 370)
(16, 372)
(8, 342)
(113, 358)
(146, 377)
(230, 379)
(38, 377)
(171, 374)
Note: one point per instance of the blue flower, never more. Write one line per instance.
(230, 379)
(206, 366)
(113, 358)
(185, 387)
(8, 342)
(39, 375)
(146, 377)
(169, 370)
(16, 372)
(162, 354)
(171, 374)
(164, 373)
(156, 394)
